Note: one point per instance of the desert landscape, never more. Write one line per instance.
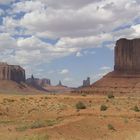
(109, 109)
(69, 70)
(66, 117)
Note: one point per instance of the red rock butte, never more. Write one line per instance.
(126, 75)
(127, 56)
(12, 73)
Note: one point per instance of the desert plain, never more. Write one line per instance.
(60, 117)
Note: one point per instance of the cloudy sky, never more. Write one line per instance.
(65, 40)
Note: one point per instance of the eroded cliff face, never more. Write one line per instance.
(37, 81)
(12, 72)
(125, 78)
(127, 56)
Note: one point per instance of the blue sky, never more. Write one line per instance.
(65, 40)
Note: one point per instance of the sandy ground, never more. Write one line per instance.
(55, 117)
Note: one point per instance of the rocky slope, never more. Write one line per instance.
(125, 79)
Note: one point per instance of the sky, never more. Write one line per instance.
(65, 40)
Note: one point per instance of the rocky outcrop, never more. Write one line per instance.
(38, 83)
(44, 82)
(86, 82)
(125, 79)
(12, 72)
(127, 56)
(60, 83)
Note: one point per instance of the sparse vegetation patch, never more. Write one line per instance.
(111, 127)
(110, 96)
(136, 109)
(103, 108)
(80, 105)
(37, 124)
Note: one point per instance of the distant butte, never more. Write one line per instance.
(12, 72)
(126, 75)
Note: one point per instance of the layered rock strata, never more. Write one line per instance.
(12, 72)
(125, 78)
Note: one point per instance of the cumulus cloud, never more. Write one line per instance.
(105, 68)
(79, 54)
(68, 4)
(77, 25)
(6, 1)
(66, 22)
(64, 71)
(7, 42)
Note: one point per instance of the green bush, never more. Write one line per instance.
(136, 109)
(111, 127)
(110, 96)
(83, 94)
(34, 137)
(103, 108)
(80, 105)
(38, 124)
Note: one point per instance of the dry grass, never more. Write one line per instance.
(23, 116)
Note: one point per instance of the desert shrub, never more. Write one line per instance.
(110, 127)
(22, 128)
(51, 122)
(125, 120)
(34, 125)
(37, 124)
(34, 137)
(110, 96)
(23, 99)
(47, 97)
(103, 108)
(80, 105)
(136, 108)
(84, 95)
(9, 100)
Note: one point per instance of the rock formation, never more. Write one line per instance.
(44, 82)
(86, 82)
(126, 75)
(127, 56)
(38, 83)
(12, 72)
(60, 83)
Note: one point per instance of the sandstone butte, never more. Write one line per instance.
(12, 73)
(125, 78)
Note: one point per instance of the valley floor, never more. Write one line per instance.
(56, 117)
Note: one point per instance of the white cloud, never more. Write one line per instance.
(86, 52)
(1, 12)
(68, 79)
(6, 1)
(7, 42)
(66, 22)
(99, 75)
(87, 20)
(64, 71)
(79, 54)
(78, 25)
(136, 29)
(68, 4)
(105, 68)
(110, 46)
(27, 6)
